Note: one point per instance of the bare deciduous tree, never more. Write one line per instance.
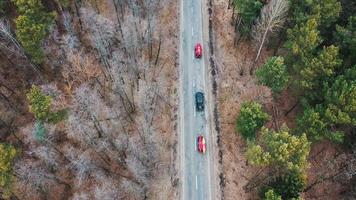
(80, 196)
(132, 191)
(101, 33)
(80, 163)
(7, 37)
(272, 17)
(83, 68)
(49, 156)
(107, 190)
(35, 175)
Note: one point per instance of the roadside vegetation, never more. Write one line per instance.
(314, 59)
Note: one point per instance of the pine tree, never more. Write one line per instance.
(318, 71)
(340, 99)
(250, 119)
(32, 26)
(248, 11)
(289, 186)
(314, 125)
(7, 156)
(326, 12)
(303, 39)
(329, 11)
(280, 148)
(39, 103)
(345, 38)
(3, 5)
(272, 195)
(273, 74)
(40, 131)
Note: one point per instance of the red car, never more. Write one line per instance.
(201, 144)
(198, 50)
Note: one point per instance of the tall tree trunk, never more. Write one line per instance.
(78, 15)
(158, 51)
(118, 19)
(233, 17)
(237, 35)
(292, 108)
(258, 179)
(260, 49)
(321, 179)
(280, 40)
(59, 10)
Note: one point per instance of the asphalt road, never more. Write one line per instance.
(195, 167)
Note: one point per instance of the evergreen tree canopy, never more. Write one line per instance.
(272, 195)
(2, 7)
(248, 11)
(280, 148)
(289, 186)
(273, 74)
(303, 39)
(345, 38)
(39, 103)
(250, 119)
(319, 71)
(7, 156)
(314, 125)
(325, 11)
(340, 99)
(32, 26)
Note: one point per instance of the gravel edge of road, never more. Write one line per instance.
(175, 177)
(212, 74)
(180, 140)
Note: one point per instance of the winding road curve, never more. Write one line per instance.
(195, 167)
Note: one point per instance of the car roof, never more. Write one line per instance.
(199, 93)
(199, 97)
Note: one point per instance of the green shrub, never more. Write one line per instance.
(2, 7)
(39, 103)
(272, 195)
(32, 26)
(250, 119)
(40, 106)
(273, 74)
(56, 117)
(64, 3)
(279, 148)
(313, 124)
(7, 156)
(289, 186)
(40, 131)
(248, 11)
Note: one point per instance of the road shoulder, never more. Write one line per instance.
(213, 120)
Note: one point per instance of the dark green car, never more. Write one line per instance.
(199, 101)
